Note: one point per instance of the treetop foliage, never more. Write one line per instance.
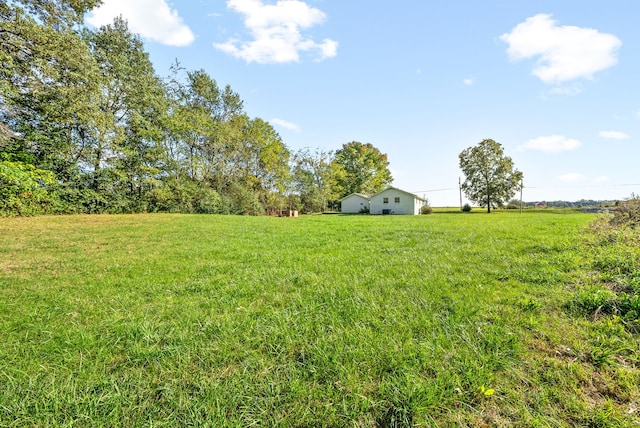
(490, 177)
(85, 109)
(57, 13)
(361, 168)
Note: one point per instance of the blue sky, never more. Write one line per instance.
(555, 82)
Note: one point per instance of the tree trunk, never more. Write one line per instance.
(488, 202)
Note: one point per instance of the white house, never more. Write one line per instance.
(354, 203)
(395, 201)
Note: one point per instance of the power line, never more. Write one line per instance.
(581, 186)
(433, 190)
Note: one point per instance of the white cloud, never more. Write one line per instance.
(565, 52)
(152, 19)
(551, 144)
(614, 135)
(469, 81)
(567, 90)
(602, 179)
(572, 177)
(276, 32)
(286, 124)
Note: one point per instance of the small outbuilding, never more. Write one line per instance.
(395, 201)
(354, 203)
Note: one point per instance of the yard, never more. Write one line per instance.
(197, 320)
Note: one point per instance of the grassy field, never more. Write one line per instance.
(177, 320)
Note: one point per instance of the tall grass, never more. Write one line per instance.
(165, 320)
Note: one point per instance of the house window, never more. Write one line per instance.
(385, 200)
(397, 199)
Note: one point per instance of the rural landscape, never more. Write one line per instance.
(153, 272)
(449, 319)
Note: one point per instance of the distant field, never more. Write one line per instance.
(184, 320)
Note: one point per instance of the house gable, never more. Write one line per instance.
(354, 203)
(395, 201)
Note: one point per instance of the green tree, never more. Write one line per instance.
(204, 127)
(490, 177)
(57, 14)
(87, 106)
(313, 178)
(360, 168)
(122, 144)
(264, 161)
(47, 84)
(210, 141)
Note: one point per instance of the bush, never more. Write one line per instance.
(426, 209)
(613, 248)
(466, 208)
(175, 195)
(237, 199)
(627, 213)
(25, 190)
(208, 202)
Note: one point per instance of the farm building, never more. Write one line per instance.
(395, 201)
(354, 203)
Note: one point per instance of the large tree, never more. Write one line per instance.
(47, 82)
(361, 168)
(313, 178)
(490, 177)
(122, 145)
(86, 106)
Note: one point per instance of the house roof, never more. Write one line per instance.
(398, 190)
(355, 194)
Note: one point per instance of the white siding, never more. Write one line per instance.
(397, 202)
(354, 204)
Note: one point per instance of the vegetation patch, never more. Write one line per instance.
(439, 320)
(613, 289)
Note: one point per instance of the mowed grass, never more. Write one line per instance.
(177, 320)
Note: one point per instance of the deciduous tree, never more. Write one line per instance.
(313, 178)
(123, 145)
(47, 83)
(361, 168)
(490, 177)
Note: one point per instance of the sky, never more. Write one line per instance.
(555, 82)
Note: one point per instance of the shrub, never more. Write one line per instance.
(175, 195)
(25, 190)
(466, 208)
(627, 213)
(208, 202)
(426, 209)
(240, 200)
(614, 255)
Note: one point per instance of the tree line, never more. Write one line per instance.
(87, 126)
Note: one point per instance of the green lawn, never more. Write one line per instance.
(178, 320)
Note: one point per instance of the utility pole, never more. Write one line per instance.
(460, 188)
(521, 187)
